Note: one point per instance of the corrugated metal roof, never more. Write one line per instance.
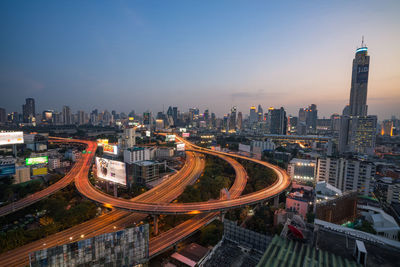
(283, 252)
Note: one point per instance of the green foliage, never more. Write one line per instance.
(9, 191)
(263, 221)
(65, 208)
(217, 175)
(366, 226)
(211, 234)
(310, 217)
(260, 177)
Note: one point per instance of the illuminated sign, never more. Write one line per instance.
(131, 118)
(182, 130)
(39, 171)
(148, 133)
(185, 134)
(111, 170)
(7, 169)
(9, 138)
(102, 142)
(110, 149)
(170, 138)
(37, 160)
(180, 147)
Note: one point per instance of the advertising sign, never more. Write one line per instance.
(180, 147)
(39, 171)
(111, 170)
(170, 138)
(37, 160)
(148, 133)
(182, 130)
(9, 138)
(185, 134)
(102, 142)
(7, 169)
(110, 149)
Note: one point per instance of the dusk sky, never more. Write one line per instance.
(139, 55)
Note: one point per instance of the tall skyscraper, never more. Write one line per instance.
(253, 115)
(232, 119)
(359, 82)
(260, 116)
(239, 120)
(66, 115)
(277, 121)
(311, 118)
(28, 110)
(358, 130)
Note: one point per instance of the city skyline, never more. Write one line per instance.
(155, 59)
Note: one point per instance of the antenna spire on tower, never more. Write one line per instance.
(362, 42)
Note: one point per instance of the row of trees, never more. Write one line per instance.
(64, 209)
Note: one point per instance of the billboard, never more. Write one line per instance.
(128, 247)
(36, 160)
(10, 138)
(111, 170)
(110, 149)
(185, 134)
(182, 130)
(39, 171)
(170, 138)
(102, 142)
(148, 133)
(7, 169)
(180, 147)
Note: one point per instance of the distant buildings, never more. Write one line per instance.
(28, 110)
(277, 121)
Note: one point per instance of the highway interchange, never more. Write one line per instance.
(154, 201)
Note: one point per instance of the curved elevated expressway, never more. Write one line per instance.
(282, 183)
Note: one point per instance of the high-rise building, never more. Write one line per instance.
(2, 115)
(81, 117)
(357, 134)
(28, 110)
(47, 116)
(260, 116)
(239, 120)
(277, 121)
(311, 118)
(147, 120)
(357, 129)
(253, 115)
(347, 174)
(232, 119)
(292, 125)
(66, 115)
(359, 82)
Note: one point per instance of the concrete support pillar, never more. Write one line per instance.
(155, 226)
(222, 216)
(115, 190)
(14, 148)
(276, 201)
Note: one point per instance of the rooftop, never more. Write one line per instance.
(283, 252)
